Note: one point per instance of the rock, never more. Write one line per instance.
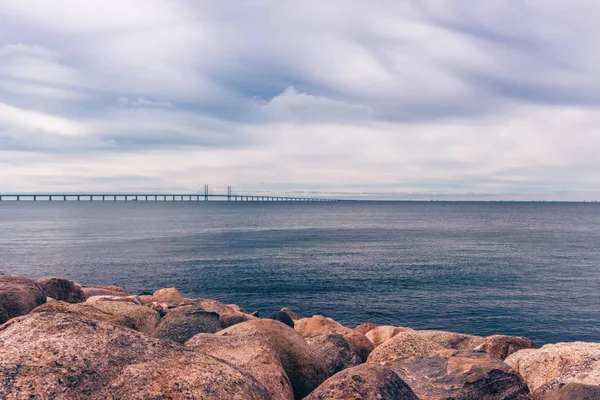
(302, 365)
(584, 372)
(184, 322)
(83, 310)
(461, 375)
(113, 288)
(502, 346)
(229, 319)
(319, 325)
(539, 366)
(571, 391)
(100, 291)
(61, 289)
(281, 317)
(255, 314)
(291, 313)
(251, 355)
(168, 294)
(143, 318)
(53, 355)
(367, 381)
(2, 272)
(404, 344)
(124, 299)
(228, 316)
(18, 296)
(381, 334)
(237, 308)
(336, 352)
(365, 327)
(452, 340)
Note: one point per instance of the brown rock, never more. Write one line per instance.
(143, 318)
(83, 310)
(168, 294)
(124, 299)
(251, 355)
(100, 291)
(539, 366)
(335, 351)
(113, 289)
(584, 372)
(184, 322)
(302, 365)
(229, 319)
(291, 313)
(18, 296)
(367, 381)
(452, 340)
(461, 375)
(61, 289)
(319, 325)
(570, 391)
(53, 355)
(381, 334)
(404, 344)
(502, 346)
(237, 308)
(365, 327)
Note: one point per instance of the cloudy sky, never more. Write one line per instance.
(495, 99)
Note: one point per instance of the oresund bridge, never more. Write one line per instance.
(206, 196)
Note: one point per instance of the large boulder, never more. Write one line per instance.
(301, 364)
(335, 351)
(319, 325)
(168, 294)
(452, 340)
(404, 344)
(124, 299)
(61, 289)
(367, 381)
(365, 327)
(461, 375)
(381, 334)
(53, 355)
(252, 355)
(103, 291)
(144, 319)
(18, 296)
(83, 310)
(282, 317)
(503, 346)
(570, 391)
(584, 372)
(539, 366)
(184, 322)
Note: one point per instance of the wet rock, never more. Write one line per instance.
(539, 366)
(404, 344)
(53, 355)
(18, 296)
(124, 299)
(281, 317)
(302, 365)
(367, 381)
(319, 325)
(584, 372)
(101, 291)
(61, 289)
(380, 334)
(365, 327)
(83, 310)
(182, 323)
(452, 340)
(168, 294)
(335, 351)
(252, 355)
(143, 318)
(502, 346)
(570, 391)
(461, 375)
(291, 313)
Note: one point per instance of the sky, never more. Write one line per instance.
(402, 99)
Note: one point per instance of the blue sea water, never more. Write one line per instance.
(530, 269)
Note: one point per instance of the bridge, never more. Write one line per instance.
(206, 196)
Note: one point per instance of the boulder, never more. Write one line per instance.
(182, 323)
(171, 295)
(452, 340)
(365, 327)
(584, 372)
(570, 391)
(237, 308)
(228, 316)
(84, 310)
(281, 317)
(381, 334)
(252, 355)
(143, 318)
(539, 366)
(291, 313)
(100, 291)
(112, 288)
(18, 296)
(503, 346)
(61, 289)
(366, 381)
(2, 272)
(302, 365)
(319, 325)
(404, 344)
(229, 319)
(124, 299)
(54, 355)
(461, 375)
(335, 351)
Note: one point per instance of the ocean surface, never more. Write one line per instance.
(530, 269)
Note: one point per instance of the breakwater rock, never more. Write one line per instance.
(62, 340)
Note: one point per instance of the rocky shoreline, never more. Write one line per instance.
(62, 340)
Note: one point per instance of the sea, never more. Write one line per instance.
(483, 268)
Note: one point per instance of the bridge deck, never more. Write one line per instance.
(148, 197)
